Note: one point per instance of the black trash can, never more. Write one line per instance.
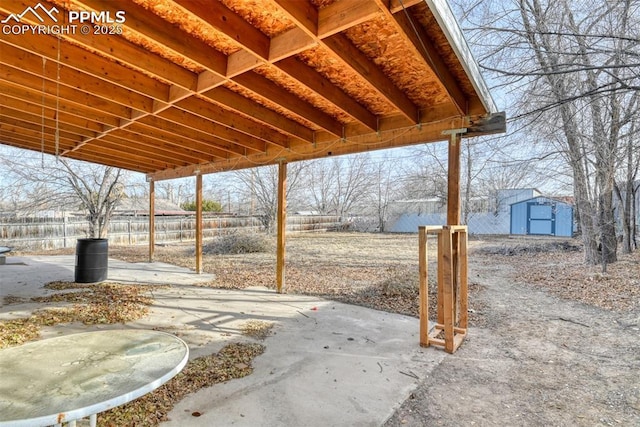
(92, 260)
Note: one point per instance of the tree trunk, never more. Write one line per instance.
(94, 226)
(625, 200)
(634, 215)
(587, 225)
(608, 240)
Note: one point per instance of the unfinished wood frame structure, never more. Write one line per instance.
(452, 280)
(177, 88)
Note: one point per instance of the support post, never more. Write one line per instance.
(453, 179)
(446, 282)
(463, 267)
(424, 285)
(282, 223)
(453, 202)
(199, 223)
(152, 219)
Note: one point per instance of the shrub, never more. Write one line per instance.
(400, 283)
(207, 206)
(238, 243)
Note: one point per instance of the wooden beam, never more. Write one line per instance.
(344, 14)
(227, 22)
(487, 125)
(446, 258)
(396, 6)
(96, 120)
(422, 46)
(321, 86)
(289, 44)
(149, 144)
(355, 59)
(303, 13)
(33, 114)
(152, 219)
(139, 152)
(30, 130)
(34, 143)
(204, 144)
(339, 16)
(71, 79)
(214, 135)
(391, 138)
(77, 58)
(223, 116)
(67, 92)
(37, 128)
(199, 223)
(152, 26)
(235, 102)
(282, 224)
(116, 48)
(267, 89)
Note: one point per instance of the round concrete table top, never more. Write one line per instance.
(70, 377)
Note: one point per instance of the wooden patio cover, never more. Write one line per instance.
(199, 86)
(173, 88)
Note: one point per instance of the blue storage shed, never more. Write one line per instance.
(542, 216)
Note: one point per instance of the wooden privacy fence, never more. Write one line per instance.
(452, 321)
(54, 233)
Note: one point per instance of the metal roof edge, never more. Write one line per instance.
(554, 199)
(449, 24)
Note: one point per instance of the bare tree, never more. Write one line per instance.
(63, 184)
(487, 166)
(427, 174)
(627, 190)
(99, 192)
(386, 186)
(261, 186)
(575, 76)
(320, 182)
(176, 191)
(338, 185)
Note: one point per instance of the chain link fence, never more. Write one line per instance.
(478, 223)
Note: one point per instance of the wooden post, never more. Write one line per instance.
(446, 273)
(453, 201)
(199, 223)
(424, 285)
(152, 219)
(464, 277)
(453, 180)
(282, 222)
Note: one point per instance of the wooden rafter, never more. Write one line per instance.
(209, 85)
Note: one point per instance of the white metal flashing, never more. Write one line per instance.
(447, 21)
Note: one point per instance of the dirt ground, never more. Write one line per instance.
(551, 340)
(538, 359)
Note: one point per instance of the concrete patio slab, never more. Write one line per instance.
(22, 275)
(325, 364)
